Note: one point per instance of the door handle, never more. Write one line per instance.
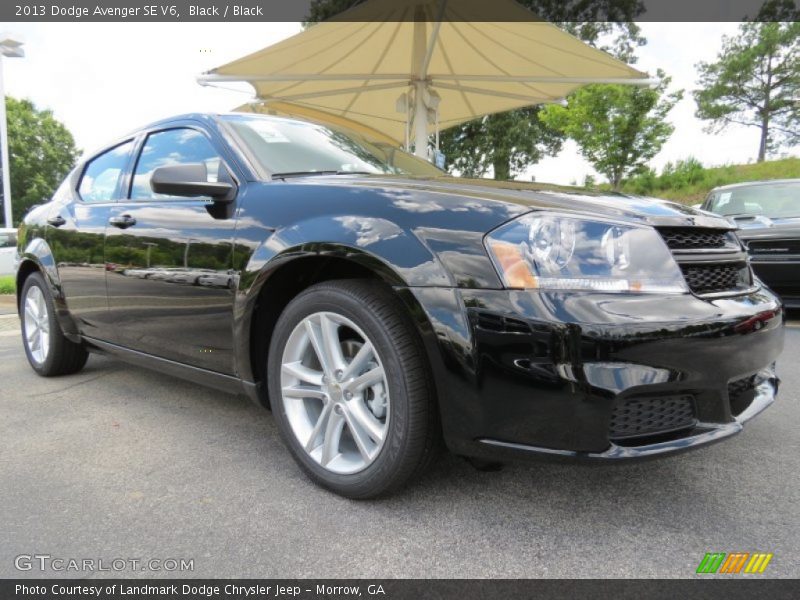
(56, 221)
(122, 221)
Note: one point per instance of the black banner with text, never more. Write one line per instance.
(400, 10)
(394, 589)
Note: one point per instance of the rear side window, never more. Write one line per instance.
(172, 147)
(101, 176)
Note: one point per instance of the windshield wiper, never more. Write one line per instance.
(740, 215)
(315, 173)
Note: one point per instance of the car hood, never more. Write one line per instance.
(761, 227)
(533, 196)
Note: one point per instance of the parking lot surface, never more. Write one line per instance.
(119, 462)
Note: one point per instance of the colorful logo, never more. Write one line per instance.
(719, 562)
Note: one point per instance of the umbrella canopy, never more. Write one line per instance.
(405, 68)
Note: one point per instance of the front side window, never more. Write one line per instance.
(289, 147)
(172, 147)
(101, 175)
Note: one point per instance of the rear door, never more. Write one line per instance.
(75, 232)
(171, 288)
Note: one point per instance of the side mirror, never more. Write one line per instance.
(191, 180)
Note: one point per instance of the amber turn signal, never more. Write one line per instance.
(512, 263)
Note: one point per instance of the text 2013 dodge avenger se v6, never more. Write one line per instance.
(378, 305)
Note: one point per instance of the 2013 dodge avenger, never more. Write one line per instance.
(379, 306)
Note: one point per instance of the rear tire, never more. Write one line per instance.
(360, 421)
(49, 352)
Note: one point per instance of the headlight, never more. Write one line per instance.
(556, 252)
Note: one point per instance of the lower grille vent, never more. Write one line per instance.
(650, 416)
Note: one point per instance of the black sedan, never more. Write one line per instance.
(768, 213)
(379, 306)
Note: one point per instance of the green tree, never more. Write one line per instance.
(506, 142)
(319, 10)
(42, 152)
(617, 127)
(755, 80)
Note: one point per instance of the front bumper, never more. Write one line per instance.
(700, 434)
(522, 374)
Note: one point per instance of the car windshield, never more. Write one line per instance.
(286, 147)
(774, 200)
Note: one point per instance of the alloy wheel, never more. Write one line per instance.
(37, 324)
(335, 392)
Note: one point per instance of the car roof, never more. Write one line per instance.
(205, 117)
(211, 117)
(753, 183)
(208, 118)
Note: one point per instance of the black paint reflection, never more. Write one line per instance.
(171, 282)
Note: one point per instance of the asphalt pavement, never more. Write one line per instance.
(119, 462)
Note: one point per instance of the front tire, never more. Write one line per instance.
(351, 393)
(49, 352)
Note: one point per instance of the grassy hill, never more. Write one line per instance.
(688, 181)
(7, 284)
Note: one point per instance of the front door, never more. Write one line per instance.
(170, 293)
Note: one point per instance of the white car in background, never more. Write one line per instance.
(8, 250)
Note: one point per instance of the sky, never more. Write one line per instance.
(105, 79)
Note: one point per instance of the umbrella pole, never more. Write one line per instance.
(420, 121)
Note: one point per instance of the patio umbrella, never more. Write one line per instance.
(403, 69)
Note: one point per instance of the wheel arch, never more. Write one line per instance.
(37, 257)
(285, 276)
(25, 269)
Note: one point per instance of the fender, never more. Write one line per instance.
(38, 253)
(398, 257)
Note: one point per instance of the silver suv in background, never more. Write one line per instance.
(768, 215)
(8, 250)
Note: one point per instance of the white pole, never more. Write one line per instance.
(423, 52)
(408, 122)
(420, 121)
(419, 83)
(4, 151)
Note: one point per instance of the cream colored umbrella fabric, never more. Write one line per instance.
(384, 62)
